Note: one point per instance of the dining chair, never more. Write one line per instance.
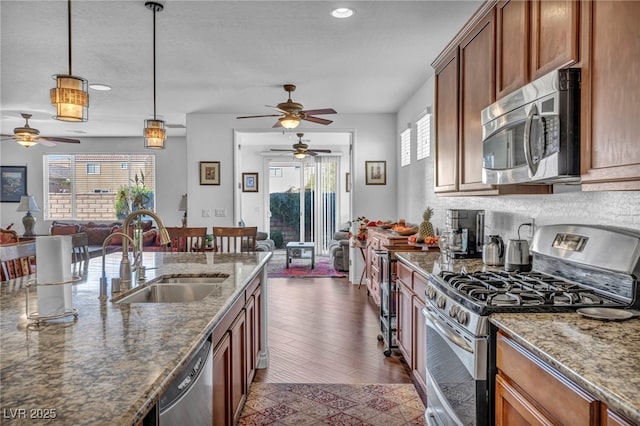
(235, 239)
(187, 239)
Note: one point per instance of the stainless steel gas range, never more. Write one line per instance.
(573, 267)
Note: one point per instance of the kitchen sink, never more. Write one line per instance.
(177, 289)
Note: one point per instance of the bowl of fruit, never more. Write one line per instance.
(387, 224)
(404, 230)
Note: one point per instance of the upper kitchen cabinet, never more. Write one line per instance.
(610, 95)
(534, 38)
(465, 85)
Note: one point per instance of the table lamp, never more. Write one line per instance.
(28, 204)
(183, 208)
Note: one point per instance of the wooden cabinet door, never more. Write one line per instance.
(404, 338)
(446, 148)
(609, 123)
(609, 418)
(419, 343)
(238, 333)
(252, 360)
(554, 35)
(222, 413)
(514, 409)
(477, 91)
(512, 46)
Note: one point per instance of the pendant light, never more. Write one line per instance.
(154, 133)
(70, 96)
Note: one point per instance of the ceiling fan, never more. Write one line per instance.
(301, 149)
(291, 113)
(28, 136)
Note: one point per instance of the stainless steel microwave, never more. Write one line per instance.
(533, 134)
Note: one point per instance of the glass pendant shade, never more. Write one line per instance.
(71, 98)
(154, 134)
(26, 139)
(299, 155)
(289, 121)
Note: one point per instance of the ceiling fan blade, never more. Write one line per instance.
(311, 153)
(52, 139)
(45, 142)
(283, 150)
(8, 136)
(327, 151)
(276, 108)
(277, 124)
(320, 111)
(317, 120)
(257, 116)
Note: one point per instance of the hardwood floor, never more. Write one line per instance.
(324, 330)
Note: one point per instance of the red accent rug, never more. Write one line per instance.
(301, 268)
(332, 404)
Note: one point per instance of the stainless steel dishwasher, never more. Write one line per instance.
(189, 398)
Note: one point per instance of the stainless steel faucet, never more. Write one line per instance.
(125, 264)
(115, 282)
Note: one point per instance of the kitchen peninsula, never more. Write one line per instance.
(112, 364)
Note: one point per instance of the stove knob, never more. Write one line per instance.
(463, 317)
(431, 292)
(441, 302)
(454, 311)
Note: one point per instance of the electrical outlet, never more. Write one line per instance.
(531, 229)
(221, 212)
(206, 212)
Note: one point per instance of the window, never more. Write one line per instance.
(93, 168)
(424, 136)
(88, 186)
(405, 148)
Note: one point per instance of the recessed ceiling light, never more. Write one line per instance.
(101, 87)
(342, 12)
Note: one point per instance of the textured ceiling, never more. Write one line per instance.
(218, 57)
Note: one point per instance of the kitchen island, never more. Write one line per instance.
(112, 363)
(600, 357)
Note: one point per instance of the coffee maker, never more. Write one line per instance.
(465, 230)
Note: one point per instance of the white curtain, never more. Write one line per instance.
(325, 208)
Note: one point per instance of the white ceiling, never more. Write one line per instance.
(218, 57)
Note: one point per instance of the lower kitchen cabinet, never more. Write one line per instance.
(528, 391)
(237, 346)
(411, 339)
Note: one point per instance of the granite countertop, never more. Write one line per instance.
(112, 363)
(603, 357)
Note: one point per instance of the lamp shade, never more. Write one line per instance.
(183, 204)
(71, 98)
(154, 134)
(28, 204)
(299, 155)
(289, 121)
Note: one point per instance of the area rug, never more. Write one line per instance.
(332, 404)
(301, 268)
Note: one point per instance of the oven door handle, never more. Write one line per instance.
(454, 338)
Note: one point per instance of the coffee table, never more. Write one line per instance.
(302, 250)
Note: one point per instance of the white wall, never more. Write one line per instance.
(210, 138)
(504, 213)
(170, 172)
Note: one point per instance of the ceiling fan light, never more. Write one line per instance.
(299, 155)
(27, 142)
(71, 98)
(154, 134)
(289, 121)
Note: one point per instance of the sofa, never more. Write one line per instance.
(97, 233)
(339, 250)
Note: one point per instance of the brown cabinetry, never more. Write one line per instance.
(465, 84)
(411, 339)
(611, 63)
(512, 44)
(379, 241)
(237, 345)
(530, 392)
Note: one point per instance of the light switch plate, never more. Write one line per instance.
(206, 212)
(221, 212)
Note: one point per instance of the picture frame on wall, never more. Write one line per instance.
(376, 172)
(13, 183)
(209, 173)
(250, 182)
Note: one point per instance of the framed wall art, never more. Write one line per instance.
(13, 183)
(209, 173)
(376, 172)
(249, 182)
